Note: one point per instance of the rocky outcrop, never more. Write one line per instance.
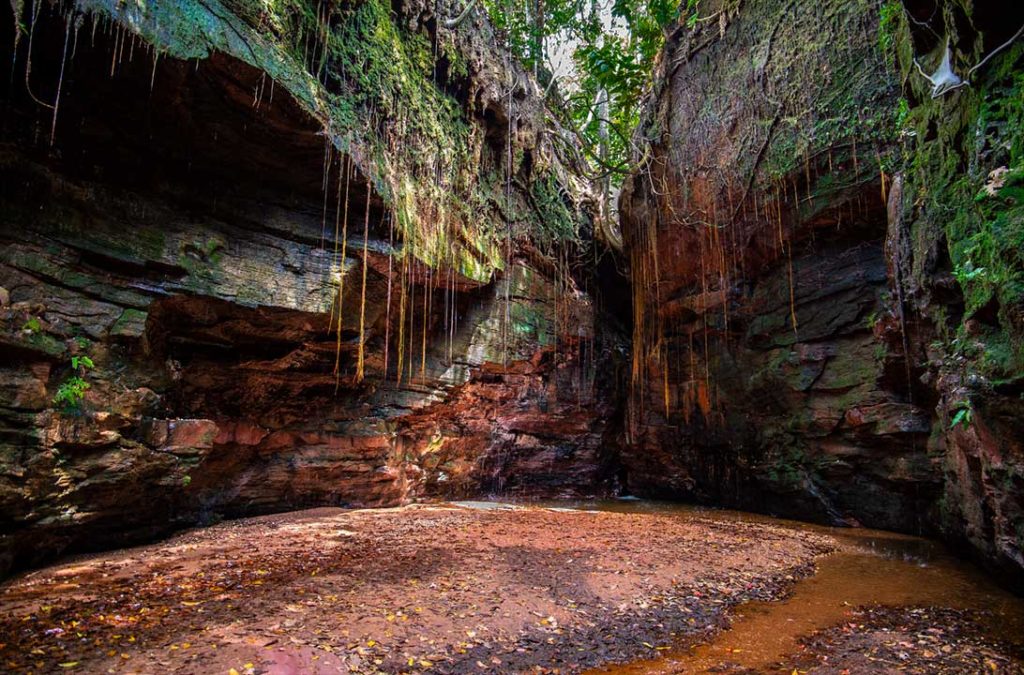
(223, 290)
(767, 372)
(954, 243)
(795, 304)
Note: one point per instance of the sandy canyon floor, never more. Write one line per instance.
(479, 589)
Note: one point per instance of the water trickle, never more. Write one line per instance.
(869, 567)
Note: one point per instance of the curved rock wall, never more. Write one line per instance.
(765, 373)
(281, 278)
(169, 242)
(795, 306)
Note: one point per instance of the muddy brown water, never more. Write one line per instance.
(870, 567)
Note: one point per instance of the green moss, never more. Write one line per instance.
(41, 342)
(531, 321)
(558, 221)
(890, 24)
(56, 268)
(201, 259)
(966, 178)
(902, 112)
(987, 243)
(848, 128)
(788, 467)
(370, 82)
(131, 323)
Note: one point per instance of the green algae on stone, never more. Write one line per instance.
(131, 324)
(39, 343)
(966, 172)
(370, 81)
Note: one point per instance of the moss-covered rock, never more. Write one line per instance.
(768, 366)
(435, 118)
(960, 234)
(286, 234)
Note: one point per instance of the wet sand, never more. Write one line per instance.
(419, 589)
(482, 588)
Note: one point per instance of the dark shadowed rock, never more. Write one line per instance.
(184, 233)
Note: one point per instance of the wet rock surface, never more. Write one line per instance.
(771, 374)
(182, 339)
(809, 339)
(171, 263)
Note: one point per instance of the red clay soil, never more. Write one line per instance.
(419, 589)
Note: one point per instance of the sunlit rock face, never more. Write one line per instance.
(799, 322)
(184, 228)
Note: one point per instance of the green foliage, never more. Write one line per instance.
(33, 325)
(963, 416)
(616, 60)
(891, 16)
(966, 175)
(840, 138)
(81, 361)
(692, 13)
(989, 258)
(902, 112)
(371, 81)
(186, 480)
(71, 391)
(998, 358)
(558, 222)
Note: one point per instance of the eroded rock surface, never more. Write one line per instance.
(184, 244)
(766, 372)
(800, 342)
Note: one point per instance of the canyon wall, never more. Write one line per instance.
(805, 334)
(956, 230)
(254, 259)
(263, 257)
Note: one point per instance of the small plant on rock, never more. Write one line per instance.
(71, 391)
(33, 325)
(963, 415)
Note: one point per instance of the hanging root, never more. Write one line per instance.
(360, 363)
(387, 312)
(60, 81)
(452, 24)
(18, 8)
(28, 63)
(341, 266)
